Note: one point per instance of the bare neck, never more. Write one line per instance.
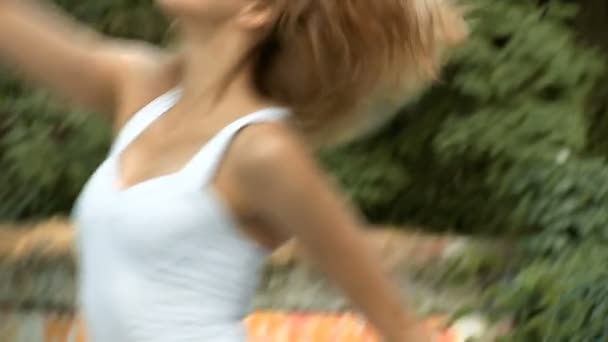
(215, 75)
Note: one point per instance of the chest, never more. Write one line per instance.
(149, 216)
(156, 155)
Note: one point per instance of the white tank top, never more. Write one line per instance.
(164, 259)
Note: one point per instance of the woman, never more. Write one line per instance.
(211, 165)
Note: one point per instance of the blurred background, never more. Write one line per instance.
(509, 152)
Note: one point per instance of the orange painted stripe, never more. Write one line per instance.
(273, 327)
(293, 327)
(63, 329)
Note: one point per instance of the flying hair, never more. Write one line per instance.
(335, 62)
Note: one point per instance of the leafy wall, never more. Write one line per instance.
(512, 142)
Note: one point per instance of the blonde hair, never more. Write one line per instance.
(334, 62)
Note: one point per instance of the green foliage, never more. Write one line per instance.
(135, 19)
(558, 299)
(512, 143)
(46, 151)
(549, 298)
(47, 154)
(512, 108)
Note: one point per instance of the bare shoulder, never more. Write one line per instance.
(146, 71)
(140, 62)
(132, 52)
(270, 146)
(272, 164)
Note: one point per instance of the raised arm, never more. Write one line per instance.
(280, 179)
(47, 48)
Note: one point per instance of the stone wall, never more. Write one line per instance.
(38, 270)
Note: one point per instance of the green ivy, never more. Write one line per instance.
(515, 96)
(47, 154)
(512, 143)
(558, 299)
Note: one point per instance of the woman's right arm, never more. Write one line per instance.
(47, 48)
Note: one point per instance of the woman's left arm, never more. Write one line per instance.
(281, 180)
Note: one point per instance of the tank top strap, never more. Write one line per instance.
(143, 118)
(204, 165)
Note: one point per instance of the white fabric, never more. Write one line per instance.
(163, 260)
